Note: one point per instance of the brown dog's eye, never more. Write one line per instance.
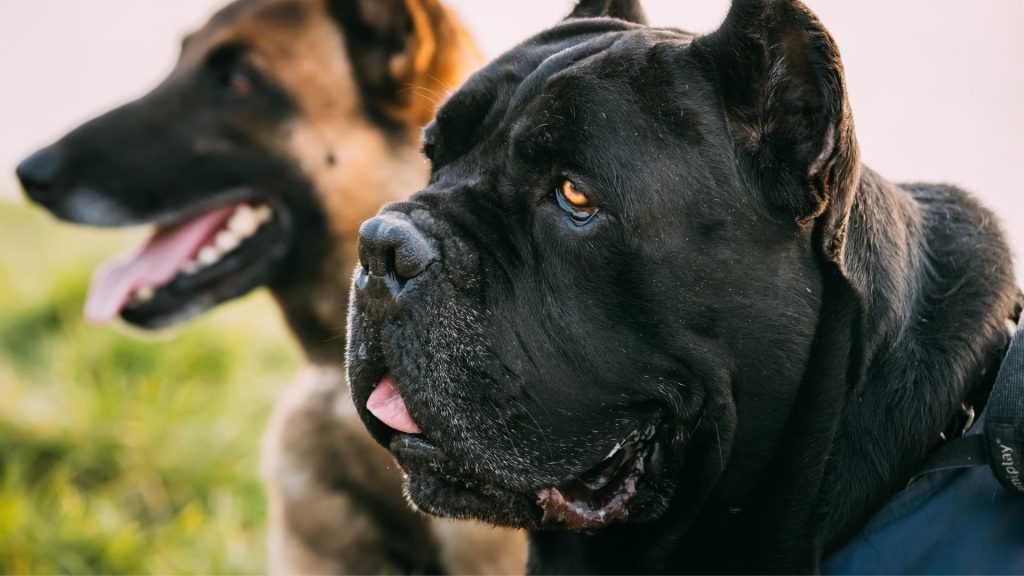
(575, 202)
(239, 83)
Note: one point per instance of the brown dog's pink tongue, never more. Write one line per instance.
(154, 265)
(387, 405)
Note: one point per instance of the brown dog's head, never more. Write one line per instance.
(282, 126)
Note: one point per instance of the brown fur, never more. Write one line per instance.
(335, 496)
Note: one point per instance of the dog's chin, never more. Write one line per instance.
(438, 486)
(631, 484)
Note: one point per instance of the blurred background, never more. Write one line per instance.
(126, 455)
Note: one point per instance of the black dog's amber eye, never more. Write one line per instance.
(573, 196)
(575, 202)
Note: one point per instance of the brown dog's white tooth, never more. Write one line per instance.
(208, 255)
(226, 241)
(143, 294)
(263, 214)
(243, 222)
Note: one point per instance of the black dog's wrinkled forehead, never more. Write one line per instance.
(496, 96)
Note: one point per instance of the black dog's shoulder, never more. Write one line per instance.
(934, 271)
(969, 257)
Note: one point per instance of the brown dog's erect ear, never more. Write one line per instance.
(782, 85)
(628, 10)
(407, 54)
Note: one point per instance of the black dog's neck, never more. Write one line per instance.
(910, 327)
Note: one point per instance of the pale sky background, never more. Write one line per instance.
(937, 86)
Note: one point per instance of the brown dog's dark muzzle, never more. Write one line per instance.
(38, 174)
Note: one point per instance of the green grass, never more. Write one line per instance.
(120, 454)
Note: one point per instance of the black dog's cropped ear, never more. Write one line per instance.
(781, 80)
(406, 54)
(628, 10)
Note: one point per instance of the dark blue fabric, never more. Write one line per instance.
(957, 522)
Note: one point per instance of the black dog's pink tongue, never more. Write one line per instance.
(387, 405)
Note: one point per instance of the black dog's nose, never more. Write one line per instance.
(38, 173)
(392, 251)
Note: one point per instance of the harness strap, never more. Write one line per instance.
(1002, 444)
(1004, 427)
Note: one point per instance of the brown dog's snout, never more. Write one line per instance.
(38, 174)
(392, 251)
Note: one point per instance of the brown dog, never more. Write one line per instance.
(284, 125)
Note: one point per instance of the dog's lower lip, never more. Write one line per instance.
(417, 445)
(415, 454)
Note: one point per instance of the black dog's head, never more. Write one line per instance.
(284, 124)
(611, 285)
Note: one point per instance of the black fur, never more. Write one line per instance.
(801, 328)
(622, 9)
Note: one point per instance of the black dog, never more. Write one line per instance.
(652, 307)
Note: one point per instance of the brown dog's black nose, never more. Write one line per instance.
(38, 174)
(392, 251)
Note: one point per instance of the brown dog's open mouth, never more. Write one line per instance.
(190, 265)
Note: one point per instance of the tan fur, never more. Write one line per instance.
(317, 527)
(430, 67)
(470, 547)
(335, 495)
